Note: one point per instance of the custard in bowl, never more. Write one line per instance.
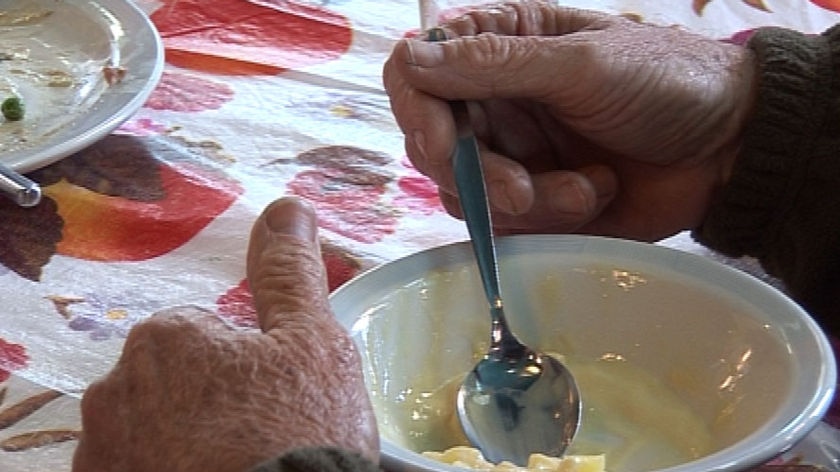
(684, 364)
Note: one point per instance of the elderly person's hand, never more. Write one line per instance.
(587, 122)
(190, 394)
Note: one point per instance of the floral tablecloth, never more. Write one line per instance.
(259, 98)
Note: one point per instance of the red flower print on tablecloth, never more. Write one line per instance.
(236, 305)
(142, 127)
(346, 184)
(130, 198)
(833, 5)
(125, 198)
(341, 265)
(347, 208)
(250, 37)
(419, 193)
(188, 93)
(12, 357)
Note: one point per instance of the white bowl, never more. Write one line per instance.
(735, 352)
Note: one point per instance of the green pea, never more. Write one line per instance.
(12, 109)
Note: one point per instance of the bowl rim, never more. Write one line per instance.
(778, 434)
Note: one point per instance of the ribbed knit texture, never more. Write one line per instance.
(782, 203)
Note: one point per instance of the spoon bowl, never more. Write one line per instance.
(515, 401)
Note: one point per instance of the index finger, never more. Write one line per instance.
(426, 122)
(514, 50)
(285, 271)
(523, 18)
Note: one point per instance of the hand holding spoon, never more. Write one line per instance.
(515, 401)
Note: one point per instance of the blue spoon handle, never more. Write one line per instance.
(472, 192)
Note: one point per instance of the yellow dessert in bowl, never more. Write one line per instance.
(683, 364)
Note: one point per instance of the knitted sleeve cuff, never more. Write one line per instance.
(794, 76)
(782, 202)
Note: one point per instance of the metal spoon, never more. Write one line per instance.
(515, 401)
(18, 187)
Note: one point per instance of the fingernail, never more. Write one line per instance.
(499, 195)
(513, 195)
(293, 217)
(424, 54)
(569, 198)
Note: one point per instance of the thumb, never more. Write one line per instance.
(285, 271)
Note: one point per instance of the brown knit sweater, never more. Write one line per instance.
(782, 203)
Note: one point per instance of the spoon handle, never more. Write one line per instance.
(20, 189)
(472, 192)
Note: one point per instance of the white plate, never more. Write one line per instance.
(78, 38)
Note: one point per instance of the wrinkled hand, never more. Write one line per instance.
(587, 122)
(190, 394)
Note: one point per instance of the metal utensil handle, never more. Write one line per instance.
(472, 192)
(23, 191)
